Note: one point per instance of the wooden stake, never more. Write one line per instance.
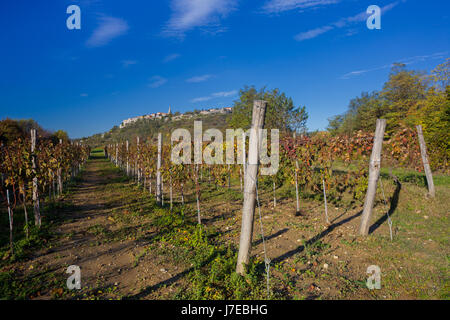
(60, 176)
(37, 214)
(244, 160)
(10, 215)
(182, 195)
(325, 199)
(170, 193)
(426, 164)
(374, 174)
(128, 163)
(158, 171)
(296, 180)
(197, 193)
(240, 177)
(138, 162)
(248, 210)
(274, 197)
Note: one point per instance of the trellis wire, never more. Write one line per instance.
(266, 259)
(387, 210)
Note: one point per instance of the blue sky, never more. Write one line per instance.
(137, 57)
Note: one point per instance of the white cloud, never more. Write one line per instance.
(83, 95)
(171, 57)
(312, 33)
(277, 6)
(157, 81)
(190, 14)
(199, 78)
(406, 61)
(343, 22)
(108, 29)
(201, 99)
(222, 94)
(127, 63)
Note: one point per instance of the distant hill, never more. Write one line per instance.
(148, 128)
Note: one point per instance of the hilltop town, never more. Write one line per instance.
(176, 117)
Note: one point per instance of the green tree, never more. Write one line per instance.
(10, 130)
(61, 134)
(280, 114)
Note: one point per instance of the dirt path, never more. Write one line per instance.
(106, 266)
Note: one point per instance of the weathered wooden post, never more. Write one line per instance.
(10, 215)
(426, 164)
(117, 155)
(60, 188)
(162, 190)
(197, 194)
(274, 196)
(182, 193)
(128, 163)
(296, 178)
(37, 214)
(138, 161)
(374, 174)
(325, 200)
(248, 210)
(244, 160)
(158, 171)
(170, 193)
(240, 177)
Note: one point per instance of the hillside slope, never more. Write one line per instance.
(148, 129)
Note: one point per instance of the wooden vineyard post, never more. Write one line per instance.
(60, 176)
(240, 177)
(53, 185)
(426, 164)
(296, 180)
(162, 190)
(197, 194)
(128, 163)
(374, 174)
(171, 193)
(170, 182)
(117, 155)
(248, 209)
(10, 215)
(138, 167)
(229, 177)
(158, 171)
(325, 200)
(182, 193)
(244, 160)
(274, 196)
(37, 214)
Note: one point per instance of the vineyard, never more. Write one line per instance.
(34, 173)
(141, 226)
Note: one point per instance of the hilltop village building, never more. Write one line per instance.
(161, 115)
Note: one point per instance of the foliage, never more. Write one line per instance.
(408, 98)
(280, 113)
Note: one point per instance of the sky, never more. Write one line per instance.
(131, 58)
